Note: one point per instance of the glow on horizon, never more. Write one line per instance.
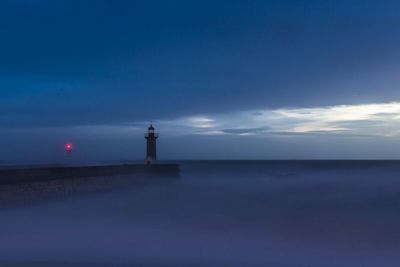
(375, 119)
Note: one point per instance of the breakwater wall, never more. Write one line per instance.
(27, 175)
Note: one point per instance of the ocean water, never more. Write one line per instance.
(221, 213)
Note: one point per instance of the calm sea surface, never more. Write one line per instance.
(228, 213)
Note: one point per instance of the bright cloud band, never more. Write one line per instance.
(378, 119)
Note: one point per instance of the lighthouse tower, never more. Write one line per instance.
(151, 137)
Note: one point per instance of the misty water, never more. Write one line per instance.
(228, 213)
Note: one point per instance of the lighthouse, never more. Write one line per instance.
(151, 137)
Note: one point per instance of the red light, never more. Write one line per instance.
(68, 147)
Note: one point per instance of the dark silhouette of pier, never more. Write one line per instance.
(40, 173)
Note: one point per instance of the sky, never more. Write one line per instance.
(283, 79)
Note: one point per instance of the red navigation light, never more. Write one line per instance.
(68, 147)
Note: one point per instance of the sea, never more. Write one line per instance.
(214, 213)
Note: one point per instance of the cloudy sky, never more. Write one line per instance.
(282, 79)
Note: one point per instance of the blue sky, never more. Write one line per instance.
(221, 79)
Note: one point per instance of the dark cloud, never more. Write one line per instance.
(95, 62)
